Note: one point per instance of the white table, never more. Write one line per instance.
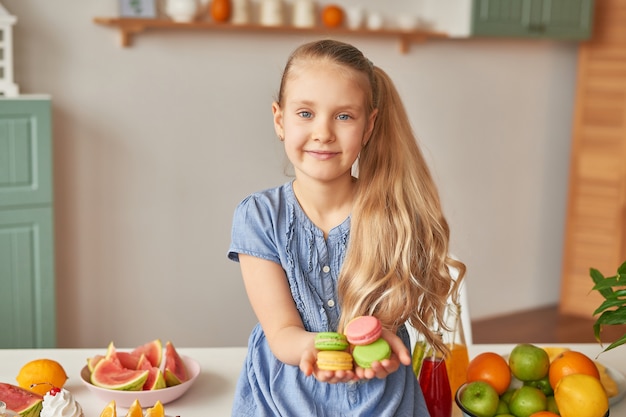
(212, 393)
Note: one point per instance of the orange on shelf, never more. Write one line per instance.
(220, 10)
(332, 16)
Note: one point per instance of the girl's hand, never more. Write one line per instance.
(308, 365)
(399, 355)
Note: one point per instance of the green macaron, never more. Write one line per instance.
(364, 355)
(330, 341)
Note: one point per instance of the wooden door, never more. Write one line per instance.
(596, 214)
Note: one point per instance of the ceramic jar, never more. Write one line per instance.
(181, 10)
(271, 12)
(304, 13)
(240, 12)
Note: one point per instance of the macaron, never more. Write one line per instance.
(363, 330)
(334, 360)
(330, 341)
(364, 355)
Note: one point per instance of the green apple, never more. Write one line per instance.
(543, 384)
(527, 401)
(503, 407)
(480, 398)
(552, 405)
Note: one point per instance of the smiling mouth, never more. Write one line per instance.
(322, 155)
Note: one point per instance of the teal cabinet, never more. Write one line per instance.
(27, 282)
(547, 19)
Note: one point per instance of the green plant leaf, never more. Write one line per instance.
(617, 343)
(609, 303)
(598, 279)
(608, 282)
(613, 317)
(613, 310)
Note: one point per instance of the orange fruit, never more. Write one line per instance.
(491, 368)
(332, 16)
(109, 410)
(220, 10)
(571, 362)
(544, 414)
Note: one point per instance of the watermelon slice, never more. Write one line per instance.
(153, 351)
(155, 380)
(175, 369)
(93, 361)
(23, 402)
(109, 374)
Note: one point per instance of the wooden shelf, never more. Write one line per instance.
(128, 27)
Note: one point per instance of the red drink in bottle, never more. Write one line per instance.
(435, 385)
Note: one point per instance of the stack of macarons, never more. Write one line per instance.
(332, 355)
(364, 333)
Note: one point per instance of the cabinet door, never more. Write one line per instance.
(568, 19)
(25, 152)
(27, 295)
(548, 19)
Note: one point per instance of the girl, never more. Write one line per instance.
(327, 247)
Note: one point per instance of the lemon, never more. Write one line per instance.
(581, 395)
(135, 410)
(109, 410)
(156, 411)
(554, 351)
(41, 375)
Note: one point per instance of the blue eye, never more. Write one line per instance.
(343, 117)
(305, 114)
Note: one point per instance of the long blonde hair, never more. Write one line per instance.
(397, 265)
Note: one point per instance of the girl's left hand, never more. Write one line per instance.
(309, 367)
(399, 355)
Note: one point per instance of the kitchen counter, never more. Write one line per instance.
(212, 392)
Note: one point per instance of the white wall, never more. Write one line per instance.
(154, 145)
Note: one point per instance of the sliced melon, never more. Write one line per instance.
(93, 361)
(155, 380)
(112, 354)
(23, 402)
(175, 369)
(153, 351)
(110, 375)
(143, 363)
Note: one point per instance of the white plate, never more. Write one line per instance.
(620, 380)
(146, 398)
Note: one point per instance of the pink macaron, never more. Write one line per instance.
(363, 330)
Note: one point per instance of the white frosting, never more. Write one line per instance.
(62, 404)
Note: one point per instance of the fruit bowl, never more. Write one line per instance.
(466, 412)
(146, 398)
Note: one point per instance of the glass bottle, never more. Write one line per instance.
(433, 379)
(4, 412)
(457, 358)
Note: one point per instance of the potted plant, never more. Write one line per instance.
(613, 309)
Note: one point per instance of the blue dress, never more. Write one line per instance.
(271, 225)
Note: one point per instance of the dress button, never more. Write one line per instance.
(326, 269)
(331, 303)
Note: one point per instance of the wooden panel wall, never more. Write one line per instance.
(596, 218)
